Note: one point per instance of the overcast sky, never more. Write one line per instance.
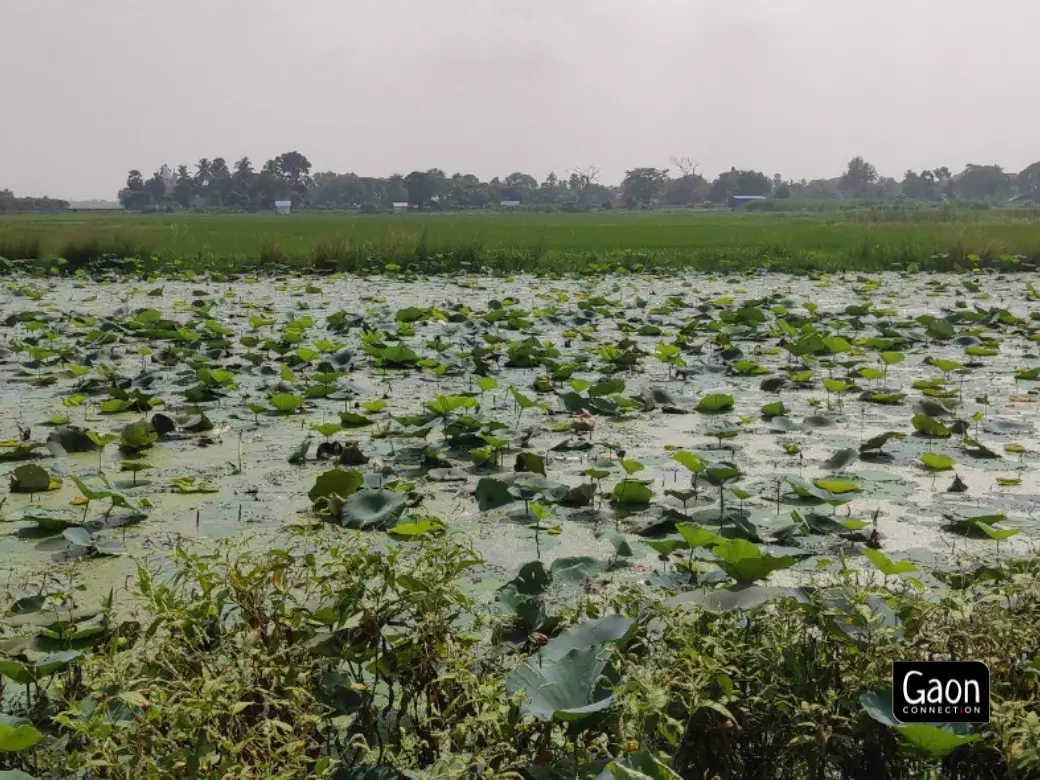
(796, 87)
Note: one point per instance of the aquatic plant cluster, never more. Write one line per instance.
(621, 527)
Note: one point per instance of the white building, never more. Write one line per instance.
(510, 204)
(283, 206)
(400, 207)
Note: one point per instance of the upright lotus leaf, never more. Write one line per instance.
(622, 548)
(163, 424)
(341, 482)
(27, 673)
(886, 565)
(492, 493)
(842, 458)
(30, 479)
(977, 449)
(878, 706)
(715, 403)
(807, 490)
(571, 689)
(522, 597)
(532, 579)
(934, 742)
(17, 738)
(52, 519)
(69, 439)
(527, 486)
(443, 405)
(934, 461)
(720, 473)
(285, 403)
(397, 356)
(631, 492)
(607, 388)
(974, 520)
(77, 536)
(530, 462)
(929, 407)
(697, 535)
(90, 493)
(837, 486)
(24, 452)
(929, 426)
(612, 629)
(745, 562)
(327, 429)
(938, 329)
(417, 528)
(640, 765)
(580, 495)
(811, 344)
(138, 435)
(691, 460)
(14, 774)
(369, 509)
(577, 569)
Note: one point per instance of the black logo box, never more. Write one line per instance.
(940, 691)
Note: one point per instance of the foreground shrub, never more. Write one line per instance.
(332, 658)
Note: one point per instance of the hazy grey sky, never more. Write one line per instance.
(796, 87)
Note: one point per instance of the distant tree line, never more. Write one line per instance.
(8, 202)
(213, 184)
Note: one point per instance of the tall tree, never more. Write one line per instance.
(203, 173)
(183, 187)
(270, 185)
(156, 189)
(742, 182)
(689, 188)
(581, 181)
(396, 190)
(134, 196)
(858, 177)
(220, 181)
(643, 186)
(982, 182)
(423, 186)
(295, 169)
(520, 186)
(1029, 182)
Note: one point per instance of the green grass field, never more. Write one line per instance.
(536, 242)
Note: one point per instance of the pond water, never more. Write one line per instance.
(71, 339)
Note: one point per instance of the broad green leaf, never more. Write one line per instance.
(285, 402)
(370, 509)
(17, 738)
(932, 741)
(934, 461)
(631, 493)
(341, 482)
(886, 565)
(718, 402)
(836, 486)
